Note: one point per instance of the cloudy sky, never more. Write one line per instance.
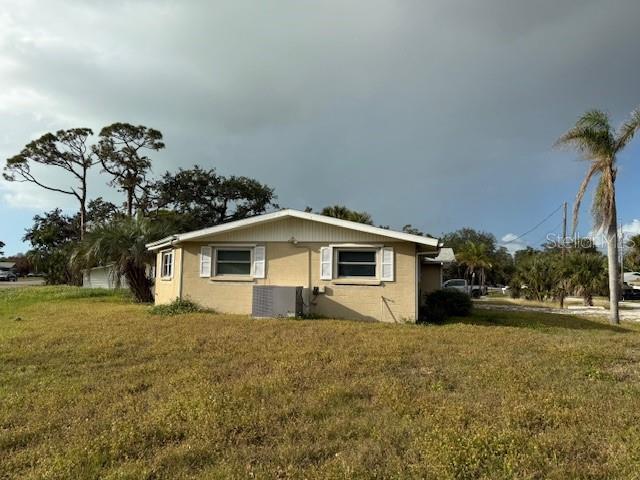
(439, 113)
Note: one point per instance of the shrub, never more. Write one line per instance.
(177, 307)
(441, 304)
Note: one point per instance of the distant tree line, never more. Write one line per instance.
(188, 199)
(197, 197)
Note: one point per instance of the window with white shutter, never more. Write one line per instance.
(354, 262)
(259, 261)
(205, 261)
(326, 263)
(387, 264)
(233, 261)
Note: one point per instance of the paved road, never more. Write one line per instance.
(29, 282)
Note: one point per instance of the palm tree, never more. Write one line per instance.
(474, 256)
(344, 213)
(585, 273)
(122, 244)
(599, 144)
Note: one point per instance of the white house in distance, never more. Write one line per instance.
(332, 268)
(102, 277)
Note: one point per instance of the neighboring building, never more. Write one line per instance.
(102, 277)
(345, 269)
(7, 267)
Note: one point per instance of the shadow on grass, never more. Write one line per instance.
(534, 320)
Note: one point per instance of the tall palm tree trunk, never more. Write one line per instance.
(614, 285)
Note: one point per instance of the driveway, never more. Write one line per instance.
(629, 311)
(23, 282)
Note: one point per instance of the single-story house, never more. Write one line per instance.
(342, 269)
(7, 266)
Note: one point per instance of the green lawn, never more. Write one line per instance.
(93, 386)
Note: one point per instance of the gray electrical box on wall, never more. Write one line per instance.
(275, 301)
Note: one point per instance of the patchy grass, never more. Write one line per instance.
(97, 387)
(14, 299)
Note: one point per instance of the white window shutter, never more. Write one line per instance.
(205, 261)
(387, 264)
(326, 263)
(259, 262)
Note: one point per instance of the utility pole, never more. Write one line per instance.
(564, 228)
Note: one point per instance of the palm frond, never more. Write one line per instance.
(594, 168)
(595, 119)
(628, 130)
(592, 143)
(603, 208)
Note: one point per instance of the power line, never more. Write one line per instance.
(539, 242)
(537, 225)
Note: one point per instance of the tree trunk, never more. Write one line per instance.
(83, 203)
(614, 279)
(139, 283)
(129, 203)
(83, 219)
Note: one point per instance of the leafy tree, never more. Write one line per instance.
(502, 267)
(408, 228)
(2, 244)
(101, 211)
(344, 213)
(599, 144)
(632, 257)
(201, 198)
(66, 150)
(122, 244)
(23, 264)
(121, 150)
(53, 237)
(524, 254)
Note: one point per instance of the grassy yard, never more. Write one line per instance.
(93, 386)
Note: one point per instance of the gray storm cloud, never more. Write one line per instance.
(402, 108)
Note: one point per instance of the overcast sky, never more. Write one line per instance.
(438, 113)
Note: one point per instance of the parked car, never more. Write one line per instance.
(462, 285)
(630, 293)
(6, 276)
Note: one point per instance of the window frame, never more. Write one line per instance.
(336, 262)
(171, 254)
(243, 248)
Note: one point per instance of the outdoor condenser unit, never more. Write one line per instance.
(275, 301)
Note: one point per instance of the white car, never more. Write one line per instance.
(462, 285)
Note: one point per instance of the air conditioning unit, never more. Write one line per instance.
(275, 301)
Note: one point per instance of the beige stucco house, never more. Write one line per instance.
(346, 269)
